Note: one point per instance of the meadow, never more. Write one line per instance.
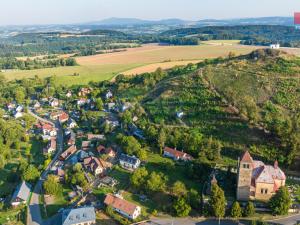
(143, 59)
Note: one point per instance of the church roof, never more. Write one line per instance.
(247, 157)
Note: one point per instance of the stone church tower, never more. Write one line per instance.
(245, 167)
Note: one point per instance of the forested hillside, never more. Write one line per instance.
(250, 35)
(228, 105)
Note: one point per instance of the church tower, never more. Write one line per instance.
(245, 167)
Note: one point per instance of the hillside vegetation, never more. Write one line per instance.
(250, 101)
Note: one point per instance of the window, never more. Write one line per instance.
(264, 191)
(246, 166)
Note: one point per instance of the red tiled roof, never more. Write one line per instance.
(68, 152)
(177, 153)
(100, 148)
(247, 157)
(120, 204)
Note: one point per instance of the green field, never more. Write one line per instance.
(106, 66)
(65, 74)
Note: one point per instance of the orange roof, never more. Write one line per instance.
(247, 157)
(120, 204)
(177, 153)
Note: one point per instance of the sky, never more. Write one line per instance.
(27, 12)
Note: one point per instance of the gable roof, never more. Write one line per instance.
(177, 153)
(79, 215)
(22, 191)
(120, 204)
(129, 159)
(247, 157)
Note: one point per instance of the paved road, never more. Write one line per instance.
(290, 220)
(34, 216)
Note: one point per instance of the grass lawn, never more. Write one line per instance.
(37, 152)
(13, 215)
(60, 201)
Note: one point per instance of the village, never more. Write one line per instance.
(91, 173)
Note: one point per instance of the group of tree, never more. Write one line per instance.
(132, 146)
(8, 63)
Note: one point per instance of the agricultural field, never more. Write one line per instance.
(106, 66)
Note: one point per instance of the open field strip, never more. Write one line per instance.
(106, 66)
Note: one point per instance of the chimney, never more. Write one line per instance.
(276, 164)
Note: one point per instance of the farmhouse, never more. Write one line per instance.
(21, 194)
(84, 91)
(51, 147)
(110, 152)
(129, 162)
(176, 155)
(54, 102)
(71, 123)
(95, 137)
(86, 145)
(257, 180)
(61, 116)
(79, 216)
(66, 154)
(275, 46)
(123, 207)
(94, 165)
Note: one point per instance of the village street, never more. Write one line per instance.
(34, 210)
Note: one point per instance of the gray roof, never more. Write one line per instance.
(79, 215)
(22, 191)
(129, 159)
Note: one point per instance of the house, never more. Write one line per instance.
(177, 155)
(86, 145)
(129, 162)
(47, 129)
(109, 94)
(94, 165)
(95, 137)
(18, 115)
(66, 154)
(257, 180)
(101, 149)
(112, 122)
(79, 216)
(275, 46)
(84, 92)
(110, 152)
(125, 106)
(37, 105)
(71, 139)
(21, 194)
(60, 173)
(71, 123)
(51, 147)
(107, 182)
(81, 155)
(111, 106)
(179, 115)
(69, 94)
(125, 208)
(61, 116)
(81, 101)
(54, 102)
(19, 108)
(11, 106)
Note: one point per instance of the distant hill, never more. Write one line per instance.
(286, 21)
(134, 22)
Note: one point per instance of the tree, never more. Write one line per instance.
(52, 186)
(142, 154)
(31, 174)
(211, 149)
(139, 177)
(178, 189)
(156, 182)
(19, 95)
(249, 108)
(181, 207)
(217, 202)
(99, 104)
(161, 140)
(280, 202)
(194, 199)
(236, 211)
(249, 209)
